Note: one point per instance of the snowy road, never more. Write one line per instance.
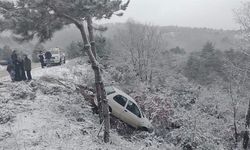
(5, 76)
(3, 71)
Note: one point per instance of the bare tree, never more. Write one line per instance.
(143, 43)
(246, 132)
(237, 79)
(243, 18)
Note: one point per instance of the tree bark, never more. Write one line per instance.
(246, 132)
(91, 35)
(93, 49)
(100, 86)
(98, 77)
(234, 110)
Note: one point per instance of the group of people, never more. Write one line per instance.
(45, 61)
(19, 67)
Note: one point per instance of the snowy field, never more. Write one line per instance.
(50, 113)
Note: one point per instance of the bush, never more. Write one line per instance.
(177, 50)
(206, 66)
(74, 50)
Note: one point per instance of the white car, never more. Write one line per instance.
(126, 109)
(58, 56)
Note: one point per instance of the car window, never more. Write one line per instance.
(133, 109)
(55, 52)
(121, 100)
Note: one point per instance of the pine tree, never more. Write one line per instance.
(42, 18)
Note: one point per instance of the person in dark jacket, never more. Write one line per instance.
(41, 59)
(27, 67)
(48, 56)
(22, 71)
(14, 56)
(11, 70)
(17, 63)
(17, 66)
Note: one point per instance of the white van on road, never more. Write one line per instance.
(57, 56)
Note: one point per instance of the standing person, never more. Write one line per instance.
(14, 56)
(13, 66)
(22, 71)
(48, 56)
(11, 70)
(16, 65)
(17, 68)
(27, 67)
(41, 59)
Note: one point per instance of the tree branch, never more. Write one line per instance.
(75, 21)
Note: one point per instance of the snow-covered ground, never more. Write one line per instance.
(2, 67)
(51, 113)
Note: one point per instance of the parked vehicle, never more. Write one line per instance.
(3, 62)
(126, 109)
(57, 56)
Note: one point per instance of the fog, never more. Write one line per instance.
(191, 13)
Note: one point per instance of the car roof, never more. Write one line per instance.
(121, 93)
(55, 49)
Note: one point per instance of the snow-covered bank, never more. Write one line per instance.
(50, 113)
(2, 67)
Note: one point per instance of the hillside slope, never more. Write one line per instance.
(51, 113)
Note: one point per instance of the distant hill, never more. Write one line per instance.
(191, 39)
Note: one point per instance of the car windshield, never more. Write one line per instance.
(54, 52)
(109, 90)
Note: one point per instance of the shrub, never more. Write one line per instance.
(205, 66)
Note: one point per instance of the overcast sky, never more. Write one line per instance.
(191, 13)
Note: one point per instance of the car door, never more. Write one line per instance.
(132, 114)
(117, 104)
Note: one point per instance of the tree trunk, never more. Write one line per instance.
(93, 49)
(91, 35)
(96, 68)
(234, 112)
(246, 133)
(99, 85)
